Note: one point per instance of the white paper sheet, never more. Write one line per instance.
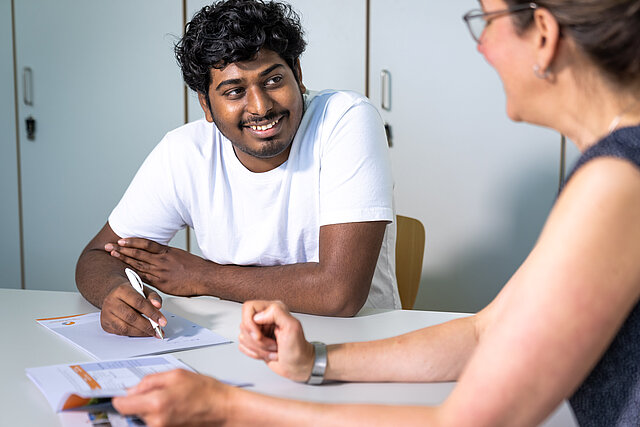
(85, 332)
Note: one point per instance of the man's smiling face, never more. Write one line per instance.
(257, 105)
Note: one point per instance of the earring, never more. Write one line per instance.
(544, 75)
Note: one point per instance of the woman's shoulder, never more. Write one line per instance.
(599, 209)
(623, 144)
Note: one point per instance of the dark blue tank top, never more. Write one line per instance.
(610, 395)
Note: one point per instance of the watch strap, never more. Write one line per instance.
(319, 363)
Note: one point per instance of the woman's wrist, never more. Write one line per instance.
(319, 366)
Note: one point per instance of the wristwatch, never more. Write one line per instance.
(319, 363)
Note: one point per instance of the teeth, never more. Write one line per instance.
(265, 127)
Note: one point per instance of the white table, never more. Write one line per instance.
(27, 344)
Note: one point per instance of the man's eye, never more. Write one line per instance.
(234, 92)
(274, 80)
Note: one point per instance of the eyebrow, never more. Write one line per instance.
(238, 81)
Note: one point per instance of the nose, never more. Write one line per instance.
(259, 102)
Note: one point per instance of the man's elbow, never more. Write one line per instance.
(347, 299)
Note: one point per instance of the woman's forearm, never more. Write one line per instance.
(249, 408)
(431, 354)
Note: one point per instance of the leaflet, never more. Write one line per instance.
(90, 385)
(85, 332)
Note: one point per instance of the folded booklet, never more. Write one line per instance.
(87, 386)
(84, 331)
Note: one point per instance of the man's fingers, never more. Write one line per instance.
(154, 298)
(135, 263)
(114, 324)
(139, 260)
(144, 244)
(148, 278)
(144, 306)
(122, 313)
(115, 250)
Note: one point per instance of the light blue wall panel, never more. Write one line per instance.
(481, 184)
(105, 90)
(10, 231)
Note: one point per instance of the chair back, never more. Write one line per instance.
(410, 237)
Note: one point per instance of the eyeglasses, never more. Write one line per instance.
(477, 20)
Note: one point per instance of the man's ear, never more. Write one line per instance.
(546, 39)
(298, 72)
(202, 98)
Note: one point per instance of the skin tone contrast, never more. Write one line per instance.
(258, 105)
(534, 343)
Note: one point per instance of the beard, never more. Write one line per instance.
(268, 149)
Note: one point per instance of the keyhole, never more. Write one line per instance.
(31, 128)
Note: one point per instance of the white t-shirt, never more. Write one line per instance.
(338, 171)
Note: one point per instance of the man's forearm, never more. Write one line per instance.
(337, 285)
(304, 287)
(97, 273)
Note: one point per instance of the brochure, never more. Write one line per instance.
(89, 386)
(85, 332)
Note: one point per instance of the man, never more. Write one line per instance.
(289, 193)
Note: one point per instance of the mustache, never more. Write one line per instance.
(255, 120)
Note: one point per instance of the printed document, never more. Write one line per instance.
(85, 385)
(85, 332)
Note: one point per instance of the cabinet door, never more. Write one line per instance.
(481, 185)
(335, 57)
(10, 248)
(104, 89)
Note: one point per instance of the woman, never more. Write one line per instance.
(566, 325)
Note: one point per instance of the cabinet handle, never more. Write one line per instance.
(385, 90)
(27, 81)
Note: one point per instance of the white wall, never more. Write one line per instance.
(10, 231)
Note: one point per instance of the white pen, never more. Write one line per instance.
(136, 282)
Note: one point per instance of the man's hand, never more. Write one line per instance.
(176, 398)
(121, 312)
(270, 333)
(171, 270)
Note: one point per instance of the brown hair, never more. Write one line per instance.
(607, 31)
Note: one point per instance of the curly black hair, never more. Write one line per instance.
(235, 30)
